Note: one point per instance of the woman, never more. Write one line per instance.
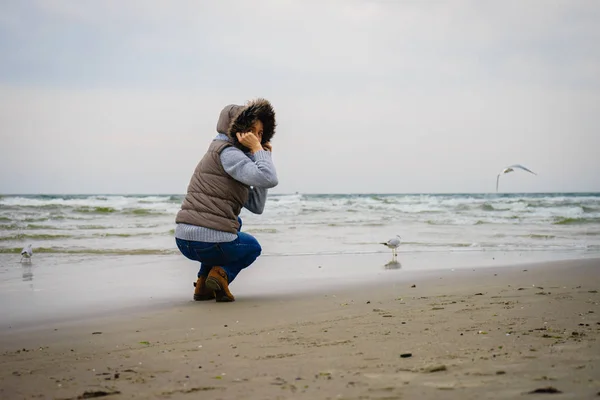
(236, 172)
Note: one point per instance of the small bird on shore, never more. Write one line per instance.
(393, 244)
(26, 253)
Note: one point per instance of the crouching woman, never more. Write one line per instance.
(236, 171)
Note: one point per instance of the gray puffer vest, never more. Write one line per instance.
(214, 199)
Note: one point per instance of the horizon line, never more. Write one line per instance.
(294, 193)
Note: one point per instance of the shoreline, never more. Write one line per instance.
(44, 292)
(495, 332)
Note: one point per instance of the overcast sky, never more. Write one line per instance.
(371, 96)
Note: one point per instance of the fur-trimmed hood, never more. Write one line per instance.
(235, 118)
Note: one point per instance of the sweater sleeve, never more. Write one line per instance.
(257, 197)
(258, 171)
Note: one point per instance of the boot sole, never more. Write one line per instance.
(221, 297)
(203, 297)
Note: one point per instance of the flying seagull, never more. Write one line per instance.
(27, 252)
(509, 169)
(393, 244)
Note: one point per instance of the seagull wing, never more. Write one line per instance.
(523, 168)
(497, 180)
(394, 242)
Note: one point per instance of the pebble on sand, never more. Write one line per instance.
(548, 389)
(436, 368)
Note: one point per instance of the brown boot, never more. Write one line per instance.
(217, 281)
(201, 292)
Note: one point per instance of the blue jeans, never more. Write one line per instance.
(231, 256)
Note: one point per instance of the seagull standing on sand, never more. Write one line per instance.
(511, 168)
(27, 252)
(393, 244)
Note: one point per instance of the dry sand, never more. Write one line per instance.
(462, 334)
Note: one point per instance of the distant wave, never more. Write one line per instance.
(587, 209)
(49, 236)
(576, 221)
(120, 252)
(34, 237)
(307, 222)
(536, 236)
(95, 210)
(143, 211)
(487, 207)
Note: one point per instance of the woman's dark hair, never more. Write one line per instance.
(259, 109)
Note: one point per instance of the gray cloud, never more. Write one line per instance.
(371, 96)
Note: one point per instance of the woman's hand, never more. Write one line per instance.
(249, 140)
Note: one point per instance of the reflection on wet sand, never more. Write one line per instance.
(27, 274)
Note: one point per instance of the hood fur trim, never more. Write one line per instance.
(259, 109)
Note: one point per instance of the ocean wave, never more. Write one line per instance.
(144, 211)
(413, 204)
(39, 219)
(101, 220)
(86, 209)
(89, 204)
(93, 227)
(437, 222)
(138, 211)
(57, 217)
(108, 252)
(124, 235)
(467, 221)
(114, 235)
(487, 207)
(294, 205)
(38, 206)
(16, 227)
(11, 227)
(95, 210)
(575, 221)
(154, 199)
(587, 209)
(33, 236)
(539, 236)
(36, 226)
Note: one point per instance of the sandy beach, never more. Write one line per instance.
(495, 332)
(408, 190)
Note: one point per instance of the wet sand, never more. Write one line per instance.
(494, 332)
(55, 287)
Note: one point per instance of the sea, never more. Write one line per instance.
(311, 224)
(105, 254)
